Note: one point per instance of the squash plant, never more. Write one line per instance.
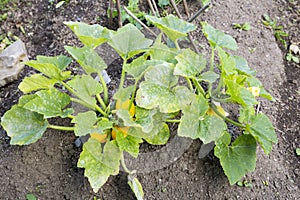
(168, 87)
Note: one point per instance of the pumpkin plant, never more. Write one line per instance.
(169, 85)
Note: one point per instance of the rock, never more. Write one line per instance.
(11, 62)
(205, 149)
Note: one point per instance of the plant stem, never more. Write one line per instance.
(101, 101)
(105, 90)
(93, 107)
(198, 86)
(211, 68)
(189, 83)
(133, 93)
(173, 120)
(124, 165)
(123, 75)
(62, 128)
(81, 101)
(214, 108)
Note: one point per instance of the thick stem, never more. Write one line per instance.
(133, 93)
(105, 90)
(214, 108)
(81, 101)
(189, 83)
(62, 128)
(122, 75)
(173, 120)
(198, 86)
(100, 100)
(124, 165)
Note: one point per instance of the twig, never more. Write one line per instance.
(139, 21)
(155, 7)
(176, 9)
(119, 13)
(111, 5)
(151, 7)
(186, 8)
(189, 35)
(198, 13)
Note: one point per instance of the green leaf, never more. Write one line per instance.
(128, 143)
(124, 94)
(90, 35)
(262, 130)
(298, 151)
(190, 121)
(245, 114)
(162, 3)
(209, 76)
(23, 126)
(99, 165)
(49, 103)
(138, 67)
(25, 99)
(254, 82)
(158, 90)
(88, 59)
(30, 197)
(60, 62)
(136, 187)
(172, 26)
(218, 38)
(86, 88)
(161, 137)
(160, 51)
(87, 122)
(189, 63)
(227, 61)
(239, 94)
(49, 69)
(242, 66)
(147, 123)
(196, 124)
(237, 159)
(211, 128)
(129, 41)
(36, 82)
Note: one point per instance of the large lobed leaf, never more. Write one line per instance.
(189, 63)
(159, 90)
(88, 59)
(86, 88)
(23, 126)
(50, 103)
(90, 35)
(99, 165)
(129, 41)
(262, 130)
(36, 82)
(195, 123)
(172, 26)
(218, 38)
(87, 123)
(237, 159)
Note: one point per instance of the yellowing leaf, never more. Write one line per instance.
(254, 90)
(123, 129)
(125, 105)
(219, 108)
(100, 137)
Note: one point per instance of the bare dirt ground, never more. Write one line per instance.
(48, 169)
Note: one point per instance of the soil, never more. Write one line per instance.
(48, 169)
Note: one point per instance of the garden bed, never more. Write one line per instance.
(48, 169)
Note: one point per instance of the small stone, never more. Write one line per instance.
(295, 48)
(205, 149)
(11, 62)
